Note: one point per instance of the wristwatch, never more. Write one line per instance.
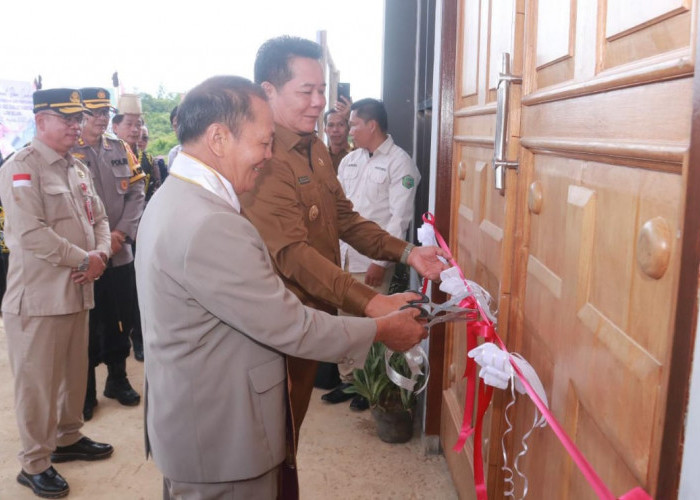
(84, 264)
(407, 252)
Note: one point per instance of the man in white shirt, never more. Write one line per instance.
(380, 179)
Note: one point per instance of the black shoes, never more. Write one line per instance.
(337, 395)
(359, 403)
(47, 484)
(137, 345)
(121, 390)
(83, 449)
(138, 352)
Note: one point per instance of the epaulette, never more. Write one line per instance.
(21, 154)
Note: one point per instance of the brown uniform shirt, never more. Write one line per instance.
(300, 210)
(53, 218)
(336, 158)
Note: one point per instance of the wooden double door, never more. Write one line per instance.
(582, 247)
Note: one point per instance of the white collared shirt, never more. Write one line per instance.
(382, 189)
(189, 168)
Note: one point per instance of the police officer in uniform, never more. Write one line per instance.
(119, 183)
(127, 126)
(57, 230)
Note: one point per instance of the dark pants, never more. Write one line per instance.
(112, 318)
(135, 331)
(4, 266)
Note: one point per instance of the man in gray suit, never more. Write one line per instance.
(217, 320)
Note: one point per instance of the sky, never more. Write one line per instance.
(154, 43)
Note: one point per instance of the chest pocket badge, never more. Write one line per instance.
(313, 213)
(124, 184)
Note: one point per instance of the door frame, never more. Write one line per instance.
(686, 318)
(444, 114)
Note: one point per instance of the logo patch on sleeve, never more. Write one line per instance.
(408, 181)
(21, 180)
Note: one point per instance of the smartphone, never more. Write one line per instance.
(344, 90)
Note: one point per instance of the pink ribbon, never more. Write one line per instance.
(486, 330)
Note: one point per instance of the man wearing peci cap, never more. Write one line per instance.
(57, 230)
(127, 124)
(119, 184)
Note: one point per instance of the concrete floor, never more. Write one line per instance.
(339, 456)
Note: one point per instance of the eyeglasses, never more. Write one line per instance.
(100, 112)
(144, 137)
(75, 119)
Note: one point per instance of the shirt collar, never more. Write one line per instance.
(288, 139)
(190, 169)
(49, 154)
(385, 146)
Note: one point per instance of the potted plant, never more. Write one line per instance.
(392, 407)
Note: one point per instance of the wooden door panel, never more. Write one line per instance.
(578, 336)
(625, 15)
(470, 41)
(582, 298)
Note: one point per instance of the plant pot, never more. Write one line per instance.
(393, 426)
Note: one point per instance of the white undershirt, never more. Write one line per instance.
(189, 168)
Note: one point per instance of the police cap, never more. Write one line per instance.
(62, 101)
(95, 98)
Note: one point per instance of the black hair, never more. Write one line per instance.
(372, 109)
(219, 99)
(173, 114)
(329, 113)
(272, 59)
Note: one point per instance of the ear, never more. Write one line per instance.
(39, 120)
(269, 89)
(217, 135)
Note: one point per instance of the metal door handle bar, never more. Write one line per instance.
(500, 163)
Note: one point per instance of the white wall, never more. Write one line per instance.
(690, 472)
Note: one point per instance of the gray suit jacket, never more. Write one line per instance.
(217, 322)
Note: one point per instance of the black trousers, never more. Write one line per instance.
(112, 318)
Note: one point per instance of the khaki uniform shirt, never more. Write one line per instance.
(49, 230)
(119, 184)
(301, 212)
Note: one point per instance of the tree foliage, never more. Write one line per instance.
(156, 114)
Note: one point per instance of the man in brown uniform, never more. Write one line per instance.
(299, 208)
(337, 129)
(57, 231)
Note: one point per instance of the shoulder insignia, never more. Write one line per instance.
(136, 173)
(133, 161)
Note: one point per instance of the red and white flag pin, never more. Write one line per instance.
(21, 180)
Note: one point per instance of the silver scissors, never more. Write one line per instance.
(437, 313)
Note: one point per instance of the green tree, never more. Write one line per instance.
(156, 114)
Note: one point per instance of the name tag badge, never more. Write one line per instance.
(304, 179)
